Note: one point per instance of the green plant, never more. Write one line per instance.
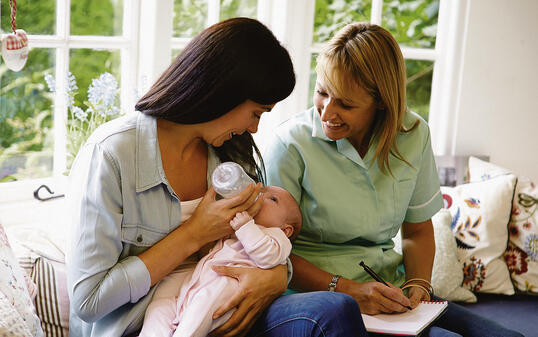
(102, 106)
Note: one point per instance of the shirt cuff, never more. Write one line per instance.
(290, 270)
(137, 275)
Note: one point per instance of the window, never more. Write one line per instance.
(85, 38)
(412, 22)
(192, 16)
(134, 41)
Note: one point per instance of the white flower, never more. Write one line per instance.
(102, 94)
(51, 82)
(79, 113)
(71, 83)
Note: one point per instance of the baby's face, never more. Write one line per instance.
(277, 203)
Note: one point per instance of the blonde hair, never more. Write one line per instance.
(368, 55)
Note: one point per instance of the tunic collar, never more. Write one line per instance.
(343, 145)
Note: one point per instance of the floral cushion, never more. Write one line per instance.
(11, 322)
(480, 215)
(522, 253)
(17, 310)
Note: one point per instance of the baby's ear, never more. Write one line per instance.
(288, 229)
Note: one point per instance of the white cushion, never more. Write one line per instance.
(480, 215)
(447, 274)
(522, 253)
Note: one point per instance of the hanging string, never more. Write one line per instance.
(13, 5)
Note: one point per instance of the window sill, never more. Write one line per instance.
(18, 206)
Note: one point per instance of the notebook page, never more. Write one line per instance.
(408, 323)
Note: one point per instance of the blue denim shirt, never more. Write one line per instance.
(120, 204)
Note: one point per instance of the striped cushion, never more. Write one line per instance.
(51, 302)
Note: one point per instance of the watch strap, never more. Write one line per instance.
(334, 280)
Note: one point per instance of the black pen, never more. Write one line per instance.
(377, 277)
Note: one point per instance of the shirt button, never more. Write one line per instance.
(139, 238)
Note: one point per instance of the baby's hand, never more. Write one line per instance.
(239, 220)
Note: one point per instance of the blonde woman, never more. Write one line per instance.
(361, 166)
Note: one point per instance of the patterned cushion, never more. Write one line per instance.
(18, 317)
(480, 215)
(11, 322)
(522, 253)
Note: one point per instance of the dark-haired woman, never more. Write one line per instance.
(142, 204)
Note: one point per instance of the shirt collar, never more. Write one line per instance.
(149, 167)
(343, 145)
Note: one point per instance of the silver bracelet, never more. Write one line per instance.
(332, 285)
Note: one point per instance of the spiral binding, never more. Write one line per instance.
(434, 301)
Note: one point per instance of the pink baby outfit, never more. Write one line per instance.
(205, 291)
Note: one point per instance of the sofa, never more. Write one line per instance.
(493, 219)
(486, 254)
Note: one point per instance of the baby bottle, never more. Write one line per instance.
(229, 179)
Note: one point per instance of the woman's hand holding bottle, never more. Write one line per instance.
(211, 219)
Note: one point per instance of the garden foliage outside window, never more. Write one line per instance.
(27, 106)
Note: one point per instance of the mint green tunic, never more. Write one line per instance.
(351, 210)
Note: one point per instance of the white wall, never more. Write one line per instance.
(497, 110)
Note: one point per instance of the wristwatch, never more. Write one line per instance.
(332, 285)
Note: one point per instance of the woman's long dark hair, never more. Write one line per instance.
(223, 66)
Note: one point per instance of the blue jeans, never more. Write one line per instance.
(320, 313)
(459, 321)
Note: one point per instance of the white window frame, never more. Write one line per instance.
(147, 43)
(63, 42)
(296, 33)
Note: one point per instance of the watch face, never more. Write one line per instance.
(332, 285)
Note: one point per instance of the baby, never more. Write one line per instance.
(262, 242)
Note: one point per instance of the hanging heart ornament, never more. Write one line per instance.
(15, 50)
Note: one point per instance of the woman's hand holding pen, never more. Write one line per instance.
(375, 297)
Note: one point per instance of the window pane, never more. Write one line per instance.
(27, 12)
(97, 17)
(190, 17)
(331, 15)
(412, 22)
(235, 8)
(94, 86)
(26, 135)
(312, 81)
(419, 86)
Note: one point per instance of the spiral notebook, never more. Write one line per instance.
(409, 323)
